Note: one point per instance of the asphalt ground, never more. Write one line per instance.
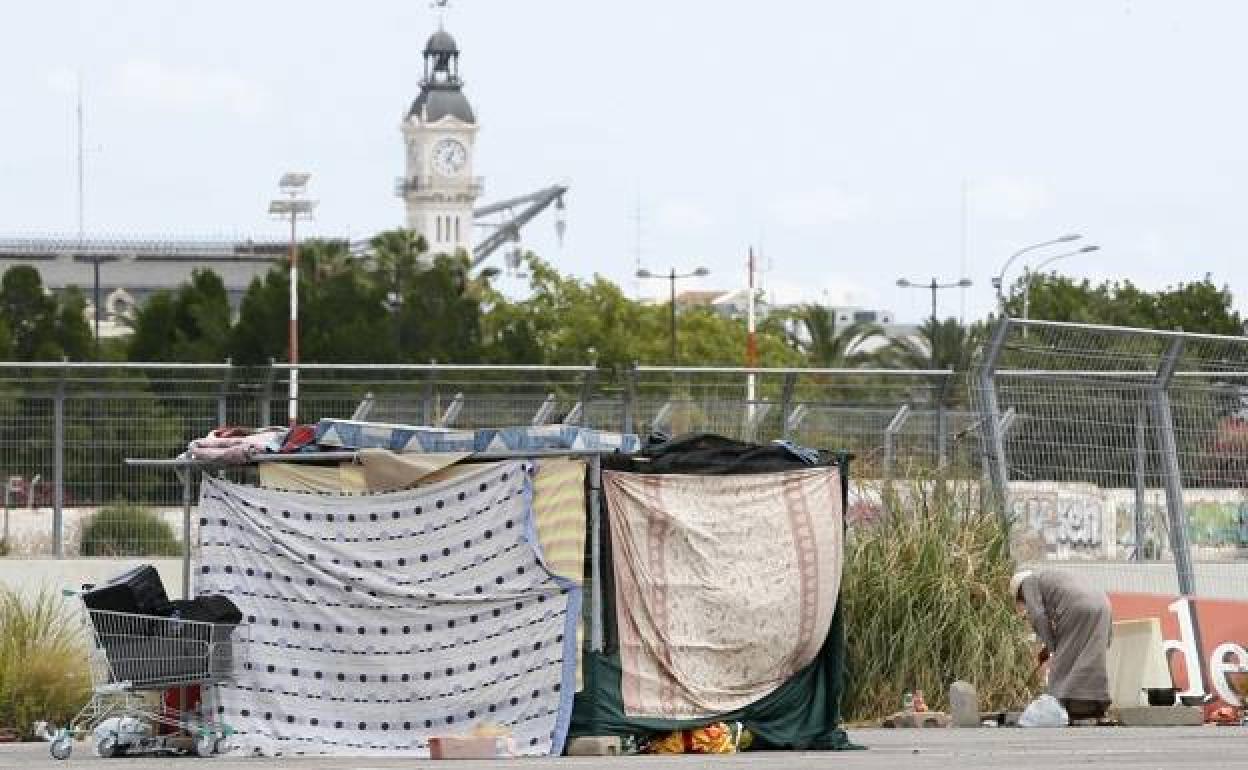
(1016, 749)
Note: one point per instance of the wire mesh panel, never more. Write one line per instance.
(892, 420)
(1110, 436)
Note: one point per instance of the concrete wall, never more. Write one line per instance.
(29, 576)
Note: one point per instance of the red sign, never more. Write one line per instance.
(1204, 638)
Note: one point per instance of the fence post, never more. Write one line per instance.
(890, 439)
(991, 416)
(426, 402)
(1141, 469)
(266, 397)
(630, 396)
(58, 470)
(942, 422)
(222, 406)
(786, 398)
(587, 397)
(1171, 473)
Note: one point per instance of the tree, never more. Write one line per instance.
(566, 320)
(30, 314)
(70, 329)
(1200, 306)
(189, 324)
(814, 332)
(43, 327)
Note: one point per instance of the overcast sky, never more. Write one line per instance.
(845, 139)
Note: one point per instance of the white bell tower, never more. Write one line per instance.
(439, 188)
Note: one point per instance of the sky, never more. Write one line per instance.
(850, 143)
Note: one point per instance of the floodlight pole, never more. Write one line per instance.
(292, 407)
(293, 184)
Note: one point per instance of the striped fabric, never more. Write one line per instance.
(559, 514)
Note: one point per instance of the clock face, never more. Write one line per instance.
(449, 157)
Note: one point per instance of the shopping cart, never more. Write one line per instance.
(133, 658)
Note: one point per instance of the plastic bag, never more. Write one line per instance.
(1044, 711)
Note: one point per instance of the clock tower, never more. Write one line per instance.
(439, 189)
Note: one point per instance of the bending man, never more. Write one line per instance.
(1074, 623)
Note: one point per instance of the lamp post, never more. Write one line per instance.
(999, 278)
(1028, 273)
(96, 260)
(671, 277)
(934, 286)
(294, 185)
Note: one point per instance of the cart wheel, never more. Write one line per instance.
(106, 747)
(205, 745)
(61, 747)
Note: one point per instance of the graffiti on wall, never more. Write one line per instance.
(1061, 520)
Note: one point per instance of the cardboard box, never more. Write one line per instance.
(469, 747)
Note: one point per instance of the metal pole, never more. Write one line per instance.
(942, 423)
(266, 397)
(1163, 421)
(672, 323)
(186, 531)
(990, 413)
(1141, 417)
(786, 398)
(95, 263)
(890, 439)
(58, 471)
(630, 396)
(292, 410)
(595, 555)
(935, 286)
(222, 405)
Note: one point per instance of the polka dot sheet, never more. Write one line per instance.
(378, 622)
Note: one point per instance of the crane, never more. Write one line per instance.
(518, 212)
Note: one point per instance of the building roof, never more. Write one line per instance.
(437, 101)
(441, 42)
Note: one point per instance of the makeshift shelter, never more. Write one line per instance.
(679, 514)
(486, 594)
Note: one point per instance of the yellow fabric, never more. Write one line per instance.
(717, 738)
(559, 512)
(344, 479)
(559, 516)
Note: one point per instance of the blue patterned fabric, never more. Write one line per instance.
(378, 622)
(352, 434)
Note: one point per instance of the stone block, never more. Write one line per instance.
(594, 746)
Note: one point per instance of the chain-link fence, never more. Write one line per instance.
(1113, 444)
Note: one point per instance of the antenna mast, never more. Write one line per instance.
(81, 183)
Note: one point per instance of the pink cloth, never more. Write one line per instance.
(725, 585)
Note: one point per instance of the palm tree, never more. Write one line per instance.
(939, 345)
(813, 331)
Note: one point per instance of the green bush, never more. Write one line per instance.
(128, 530)
(925, 594)
(43, 667)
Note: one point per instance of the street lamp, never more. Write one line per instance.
(294, 206)
(96, 260)
(998, 279)
(1028, 273)
(934, 286)
(671, 277)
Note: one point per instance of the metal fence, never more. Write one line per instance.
(66, 428)
(1108, 443)
(1101, 444)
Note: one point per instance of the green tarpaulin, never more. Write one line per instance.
(802, 714)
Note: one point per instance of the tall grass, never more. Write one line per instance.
(926, 603)
(43, 669)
